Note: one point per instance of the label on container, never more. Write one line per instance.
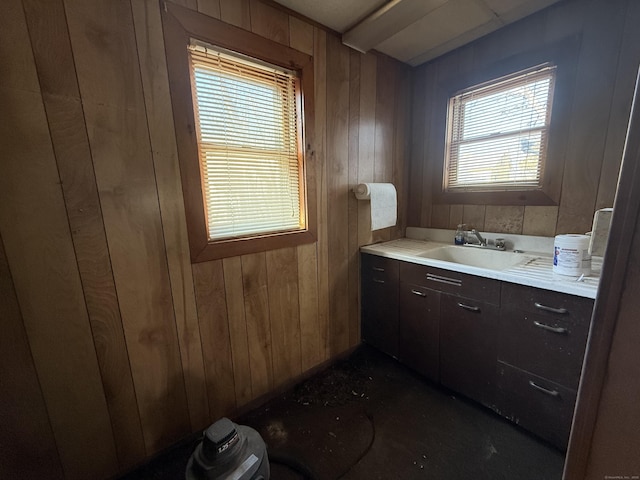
(571, 261)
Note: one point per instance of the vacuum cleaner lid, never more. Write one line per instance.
(231, 452)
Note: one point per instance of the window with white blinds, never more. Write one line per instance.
(497, 133)
(247, 114)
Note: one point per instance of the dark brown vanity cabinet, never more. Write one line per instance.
(379, 305)
(542, 339)
(513, 348)
(419, 322)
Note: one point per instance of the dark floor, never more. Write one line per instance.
(371, 418)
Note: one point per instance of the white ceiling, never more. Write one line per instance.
(414, 31)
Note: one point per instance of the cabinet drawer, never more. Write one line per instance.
(536, 404)
(546, 302)
(380, 269)
(550, 346)
(451, 282)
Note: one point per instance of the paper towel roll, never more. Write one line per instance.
(384, 203)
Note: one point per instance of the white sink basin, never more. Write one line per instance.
(477, 257)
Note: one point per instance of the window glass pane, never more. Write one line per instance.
(248, 141)
(515, 109)
(497, 133)
(505, 160)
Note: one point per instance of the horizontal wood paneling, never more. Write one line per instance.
(592, 114)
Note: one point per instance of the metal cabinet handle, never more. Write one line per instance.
(377, 269)
(377, 280)
(550, 328)
(419, 293)
(561, 311)
(469, 307)
(553, 393)
(447, 280)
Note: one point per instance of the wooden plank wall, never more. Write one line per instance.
(114, 345)
(606, 65)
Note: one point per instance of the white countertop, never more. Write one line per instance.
(536, 272)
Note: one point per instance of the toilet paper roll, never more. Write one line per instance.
(384, 203)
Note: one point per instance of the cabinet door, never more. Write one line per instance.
(468, 347)
(379, 305)
(535, 403)
(419, 330)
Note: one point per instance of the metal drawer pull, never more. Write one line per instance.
(447, 280)
(419, 293)
(553, 393)
(377, 280)
(551, 309)
(469, 307)
(550, 328)
(377, 269)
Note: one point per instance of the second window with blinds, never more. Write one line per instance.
(497, 133)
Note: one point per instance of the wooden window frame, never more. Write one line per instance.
(456, 126)
(180, 24)
(563, 55)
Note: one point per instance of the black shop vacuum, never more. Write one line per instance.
(229, 451)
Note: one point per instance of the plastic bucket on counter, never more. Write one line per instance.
(571, 255)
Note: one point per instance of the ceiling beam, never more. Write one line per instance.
(386, 22)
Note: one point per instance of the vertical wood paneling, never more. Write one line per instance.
(153, 70)
(22, 407)
(312, 333)
(234, 294)
(628, 62)
(319, 157)
(284, 313)
(595, 80)
(236, 12)
(119, 138)
(455, 216)
(385, 127)
(418, 134)
(57, 75)
(366, 141)
(256, 306)
(401, 141)
(353, 203)
(269, 22)
(49, 290)
(300, 35)
(440, 215)
(40, 255)
(337, 159)
(147, 347)
(208, 7)
(216, 345)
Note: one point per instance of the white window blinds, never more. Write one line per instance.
(497, 133)
(247, 127)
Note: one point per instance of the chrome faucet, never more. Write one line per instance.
(481, 240)
(496, 244)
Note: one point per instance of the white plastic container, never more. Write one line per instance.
(571, 255)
